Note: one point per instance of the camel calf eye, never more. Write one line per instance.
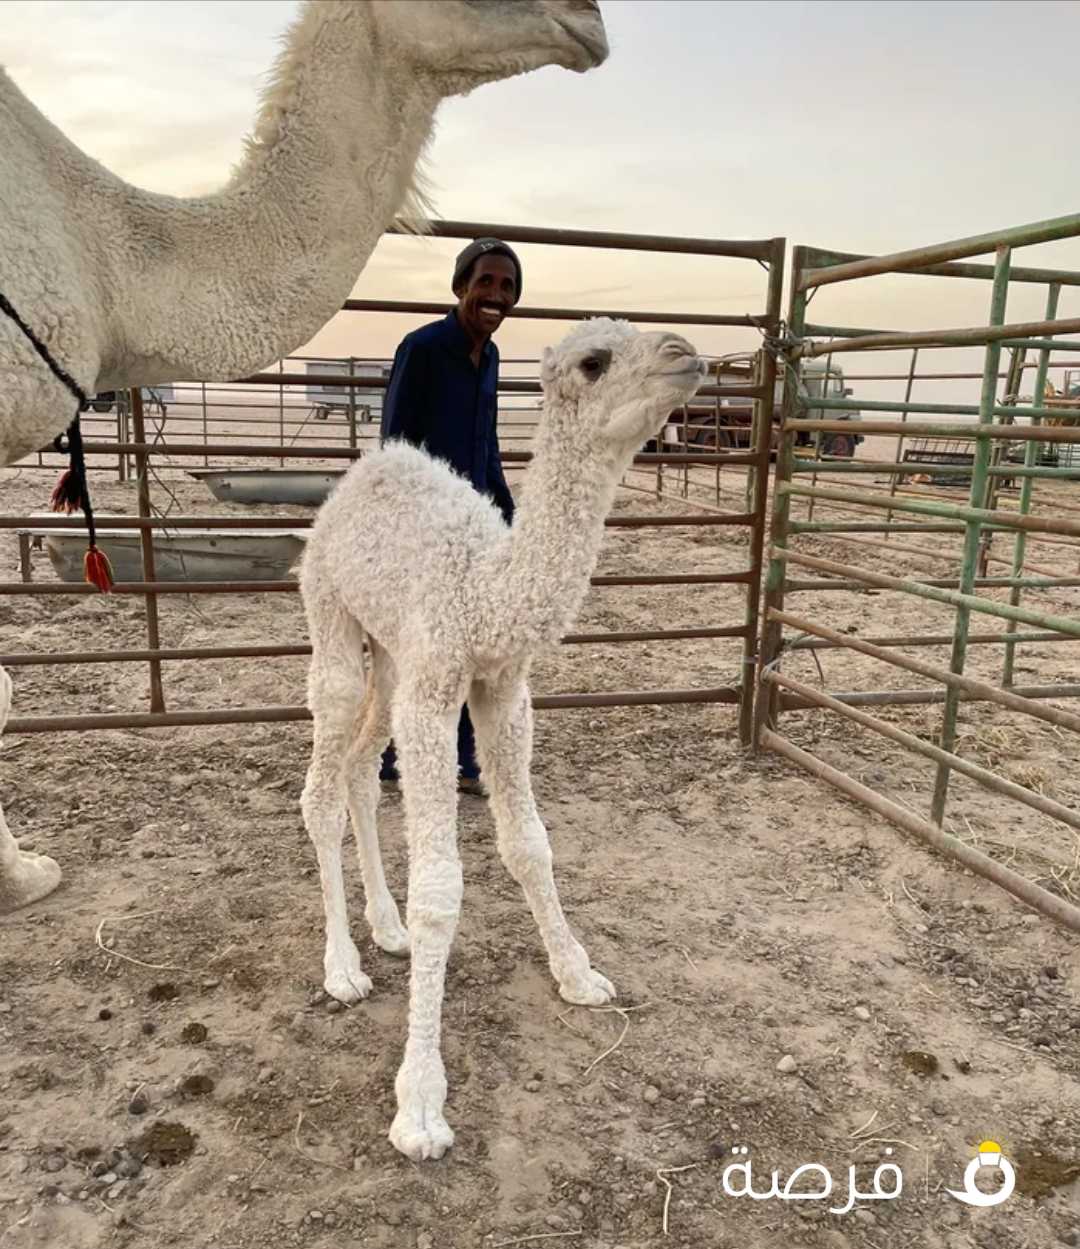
(592, 366)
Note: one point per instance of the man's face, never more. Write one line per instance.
(487, 295)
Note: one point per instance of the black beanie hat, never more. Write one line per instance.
(478, 248)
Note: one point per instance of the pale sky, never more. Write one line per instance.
(864, 125)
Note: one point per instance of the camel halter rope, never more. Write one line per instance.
(72, 491)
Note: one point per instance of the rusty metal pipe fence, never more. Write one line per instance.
(978, 522)
(132, 446)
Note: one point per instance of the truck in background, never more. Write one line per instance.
(722, 423)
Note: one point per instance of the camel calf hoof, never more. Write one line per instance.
(591, 989)
(391, 936)
(420, 1132)
(33, 877)
(345, 981)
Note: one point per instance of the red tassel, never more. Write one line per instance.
(98, 571)
(67, 497)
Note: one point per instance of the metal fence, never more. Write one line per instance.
(975, 449)
(342, 438)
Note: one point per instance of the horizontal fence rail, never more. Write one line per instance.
(525, 312)
(19, 725)
(919, 257)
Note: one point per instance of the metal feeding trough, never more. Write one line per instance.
(187, 555)
(305, 486)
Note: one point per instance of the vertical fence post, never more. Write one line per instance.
(1027, 486)
(352, 406)
(129, 460)
(755, 697)
(999, 453)
(205, 427)
(755, 433)
(820, 440)
(973, 528)
(896, 477)
(119, 434)
(686, 447)
(767, 700)
(142, 466)
(281, 415)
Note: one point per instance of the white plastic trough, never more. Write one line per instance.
(189, 555)
(304, 486)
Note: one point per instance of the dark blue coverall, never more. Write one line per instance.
(439, 400)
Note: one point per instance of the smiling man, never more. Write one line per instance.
(443, 396)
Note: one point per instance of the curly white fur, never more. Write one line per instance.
(128, 288)
(453, 605)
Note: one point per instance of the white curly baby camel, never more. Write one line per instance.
(128, 288)
(453, 604)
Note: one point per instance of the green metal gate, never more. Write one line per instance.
(990, 429)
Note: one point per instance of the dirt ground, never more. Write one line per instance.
(796, 976)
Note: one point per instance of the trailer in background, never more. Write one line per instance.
(365, 401)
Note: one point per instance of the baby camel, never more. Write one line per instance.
(453, 604)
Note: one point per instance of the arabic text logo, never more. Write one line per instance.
(989, 1156)
(737, 1182)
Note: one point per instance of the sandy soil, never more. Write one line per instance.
(183, 1081)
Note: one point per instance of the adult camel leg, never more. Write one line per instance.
(24, 877)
